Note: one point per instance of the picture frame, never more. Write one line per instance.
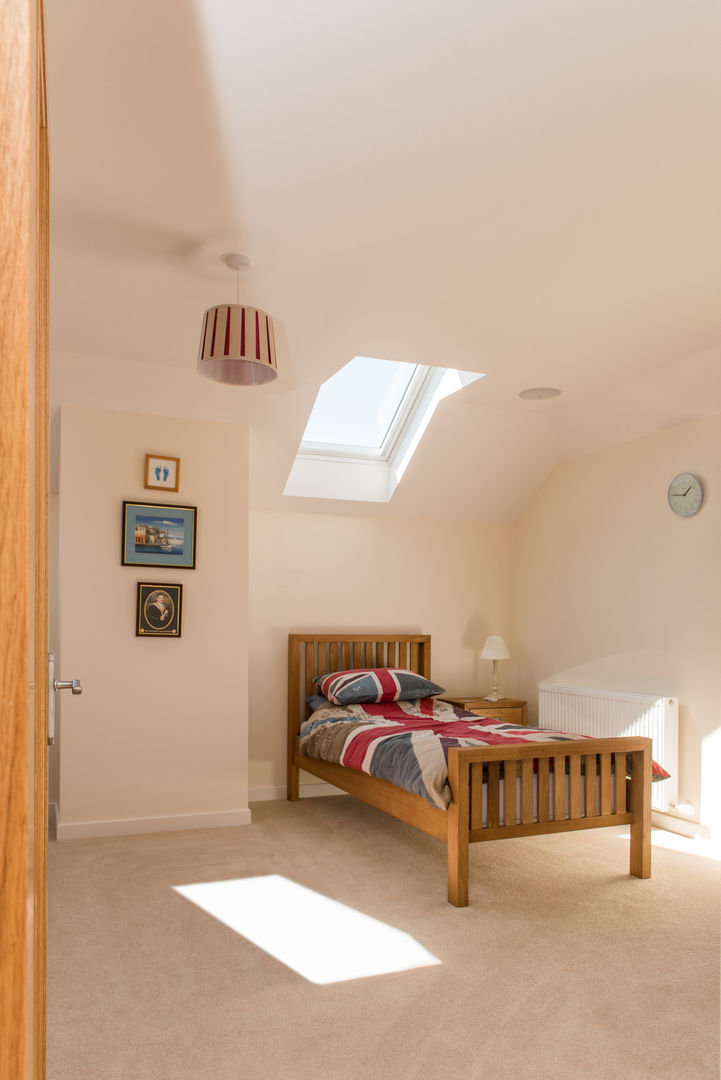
(158, 534)
(162, 472)
(159, 609)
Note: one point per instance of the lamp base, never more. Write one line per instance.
(492, 697)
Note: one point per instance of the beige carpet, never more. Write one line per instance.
(563, 966)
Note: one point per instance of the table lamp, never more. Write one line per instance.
(495, 649)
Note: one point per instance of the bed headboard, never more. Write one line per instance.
(310, 655)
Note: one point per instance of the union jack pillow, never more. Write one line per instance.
(374, 685)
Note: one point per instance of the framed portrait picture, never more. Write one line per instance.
(158, 535)
(162, 472)
(159, 609)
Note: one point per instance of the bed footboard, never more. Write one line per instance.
(596, 794)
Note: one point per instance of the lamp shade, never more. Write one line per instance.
(237, 346)
(495, 648)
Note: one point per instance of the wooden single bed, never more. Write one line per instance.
(622, 801)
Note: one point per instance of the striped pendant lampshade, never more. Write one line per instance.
(237, 346)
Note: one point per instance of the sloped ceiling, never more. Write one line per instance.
(527, 189)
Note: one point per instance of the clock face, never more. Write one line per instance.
(685, 494)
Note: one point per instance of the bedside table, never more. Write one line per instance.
(507, 709)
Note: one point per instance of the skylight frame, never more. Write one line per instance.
(402, 417)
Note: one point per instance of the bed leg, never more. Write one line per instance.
(640, 799)
(458, 779)
(293, 783)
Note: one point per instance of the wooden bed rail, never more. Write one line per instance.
(609, 800)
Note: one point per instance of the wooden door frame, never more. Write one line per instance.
(20, 306)
(39, 549)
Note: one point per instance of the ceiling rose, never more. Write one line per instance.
(536, 392)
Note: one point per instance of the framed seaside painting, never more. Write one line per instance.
(159, 535)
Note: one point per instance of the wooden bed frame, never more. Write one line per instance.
(622, 802)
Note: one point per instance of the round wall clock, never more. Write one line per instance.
(685, 494)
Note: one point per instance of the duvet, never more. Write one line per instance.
(407, 742)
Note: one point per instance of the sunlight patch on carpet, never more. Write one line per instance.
(319, 938)
(705, 849)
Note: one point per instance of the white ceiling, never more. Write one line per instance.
(528, 188)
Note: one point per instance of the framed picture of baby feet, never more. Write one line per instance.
(162, 472)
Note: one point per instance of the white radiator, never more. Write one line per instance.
(607, 713)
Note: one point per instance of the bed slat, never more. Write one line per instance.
(574, 787)
(509, 793)
(526, 791)
(477, 795)
(559, 788)
(589, 765)
(493, 806)
(620, 785)
(544, 813)
(309, 667)
(606, 783)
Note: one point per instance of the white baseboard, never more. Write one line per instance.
(214, 819)
(692, 829)
(307, 791)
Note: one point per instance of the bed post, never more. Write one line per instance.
(458, 830)
(293, 782)
(293, 789)
(640, 800)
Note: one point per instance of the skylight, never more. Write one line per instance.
(374, 390)
(366, 424)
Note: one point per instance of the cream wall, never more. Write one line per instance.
(324, 572)
(597, 584)
(613, 590)
(158, 738)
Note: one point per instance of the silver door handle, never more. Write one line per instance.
(72, 684)
(54, 685)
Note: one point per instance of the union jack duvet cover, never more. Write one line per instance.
(407, 742)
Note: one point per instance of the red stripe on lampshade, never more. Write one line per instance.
(215, 326)
(242, 331)
(226, 349)
(257, 337)
(267, 334)
(203, 334)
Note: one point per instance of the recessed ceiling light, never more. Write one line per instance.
(536, 392)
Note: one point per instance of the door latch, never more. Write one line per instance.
(53, 686)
